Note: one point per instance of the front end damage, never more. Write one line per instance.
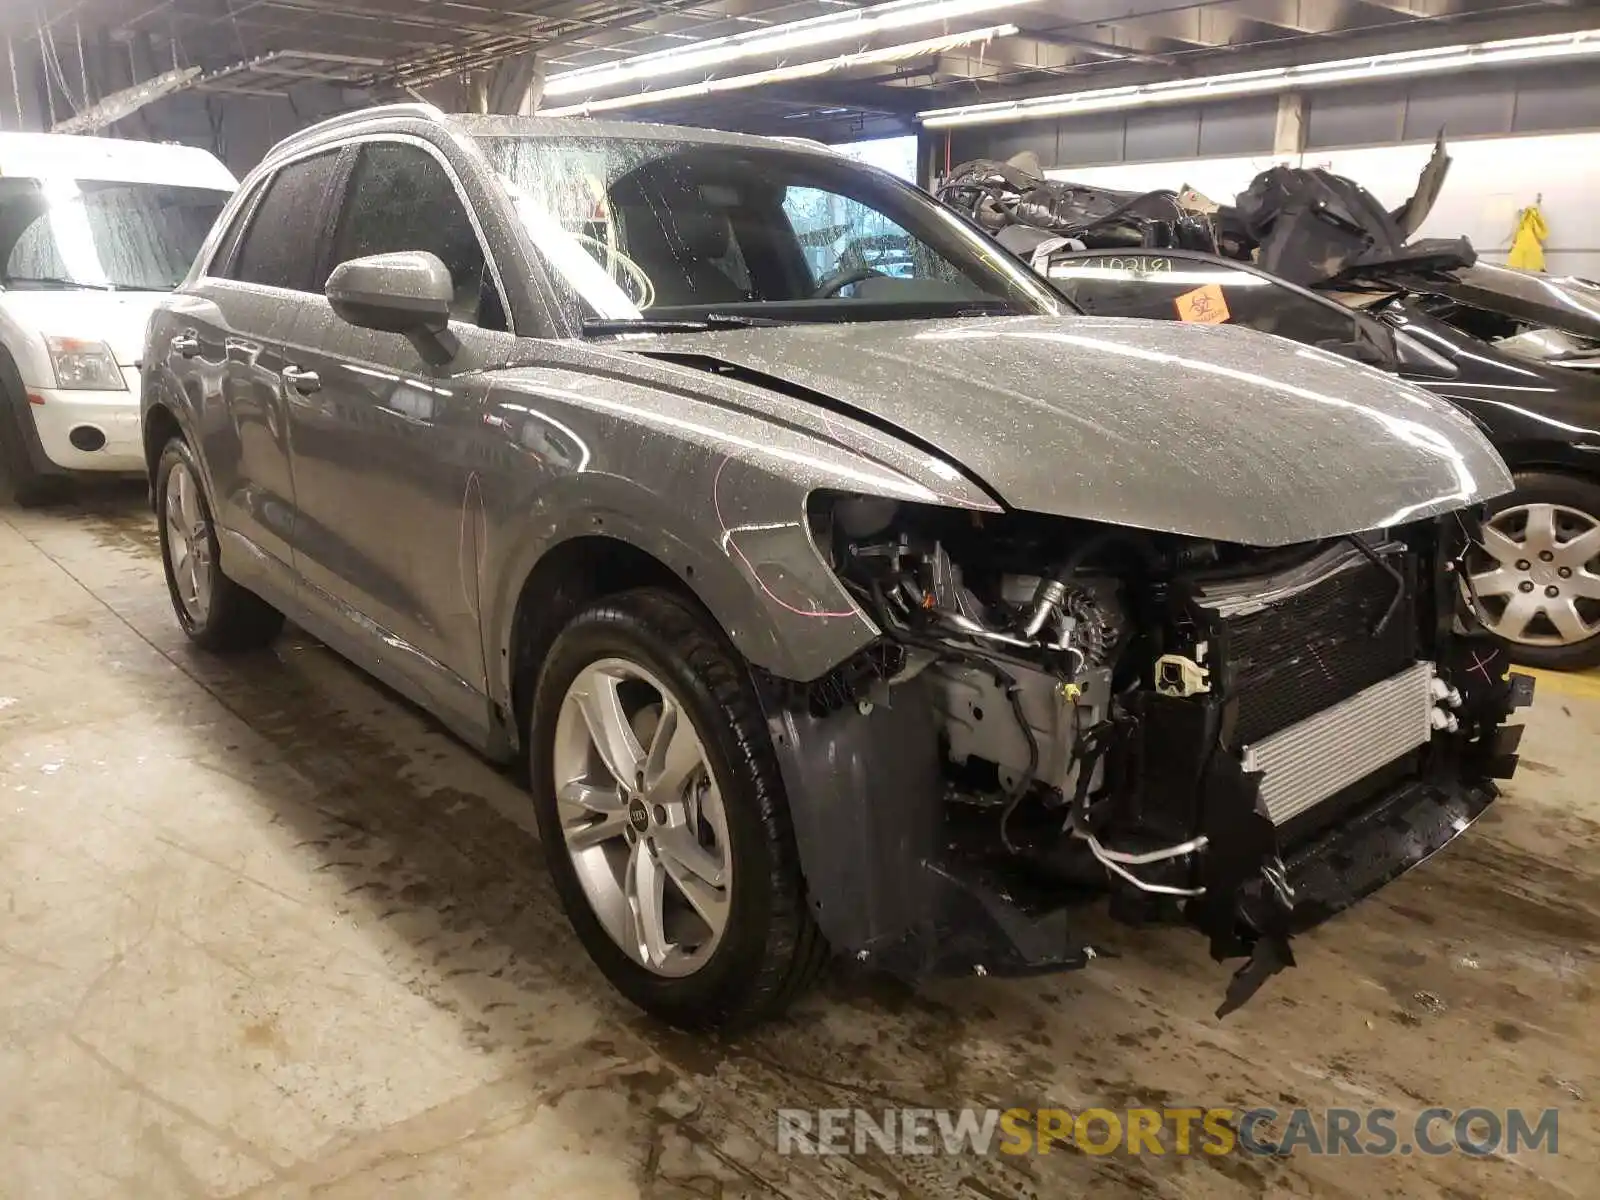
(1245, 741)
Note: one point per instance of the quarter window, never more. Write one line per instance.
(226, 255)
(401, 198)
(278, 249)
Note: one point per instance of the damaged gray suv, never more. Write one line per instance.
(840, 588)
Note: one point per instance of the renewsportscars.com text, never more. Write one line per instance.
(1263, 1131)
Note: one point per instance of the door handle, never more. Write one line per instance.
(240, 350)
(304, 382)
(186, 343)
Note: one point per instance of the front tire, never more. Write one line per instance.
(1538, 574)
(663, 816)
(216, 613)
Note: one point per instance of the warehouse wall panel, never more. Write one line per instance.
(1565, 96)
(1098, 138)
(1370, 115)
(1002, 141)
(1243, 126)
(1462, 105)
(1546, 99)
(1162, 133)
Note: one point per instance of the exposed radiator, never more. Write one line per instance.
(1300, 641)
(1314, 758)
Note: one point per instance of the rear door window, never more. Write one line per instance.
(279, 248)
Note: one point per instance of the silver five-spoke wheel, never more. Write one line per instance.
(642, 817)
(1538, 575)
(188, 543)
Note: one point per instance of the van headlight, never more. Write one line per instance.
(84, 366)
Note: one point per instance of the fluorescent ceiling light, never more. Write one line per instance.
(807, 70)
(854, 25)
(1273, 79)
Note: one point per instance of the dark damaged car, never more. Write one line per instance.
(1517, 350)
(1526, 379)
(838, 599)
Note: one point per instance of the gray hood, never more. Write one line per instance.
(1207, 430)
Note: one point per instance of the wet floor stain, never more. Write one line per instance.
(1469, 982)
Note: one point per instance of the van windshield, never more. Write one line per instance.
(98, 234)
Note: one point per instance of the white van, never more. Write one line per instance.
(92, 232)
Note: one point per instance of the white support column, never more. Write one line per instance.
(1289, 137)
(516, 85)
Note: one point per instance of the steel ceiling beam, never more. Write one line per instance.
(530, 31)
(1419, 9)
(848, 93)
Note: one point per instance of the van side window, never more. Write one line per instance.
(401, 198)
(278, 248)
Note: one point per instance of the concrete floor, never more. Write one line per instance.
(265, 930)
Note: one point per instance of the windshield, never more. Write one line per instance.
(82, 233)
(682, 229)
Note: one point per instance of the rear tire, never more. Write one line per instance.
(216, 613)
(767, 949)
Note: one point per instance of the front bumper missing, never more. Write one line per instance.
(1364, 853)
(901, 879)
(994, 922)
(991, 919)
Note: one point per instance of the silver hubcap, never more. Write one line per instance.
(188, 543)
(642, 816)
(1538, 575)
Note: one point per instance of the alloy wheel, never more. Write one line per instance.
(1538, 575)
(188, 543)
(642, 816)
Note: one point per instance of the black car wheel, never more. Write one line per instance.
(663, 817)
(214, 611)
(1538, 573)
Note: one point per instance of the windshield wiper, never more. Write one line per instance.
(57, 281)
(603, 326)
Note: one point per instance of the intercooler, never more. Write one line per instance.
(1323, 754)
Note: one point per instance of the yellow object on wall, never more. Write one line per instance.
(1527, 247)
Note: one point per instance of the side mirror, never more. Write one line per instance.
(1371, 342)
(408, 292)
(1417, 359)
(1364, 352)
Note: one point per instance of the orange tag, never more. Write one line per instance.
(1206, 305)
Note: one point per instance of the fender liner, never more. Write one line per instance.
(867, 802)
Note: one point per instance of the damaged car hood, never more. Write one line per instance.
(1205, 430)
(1570, 305)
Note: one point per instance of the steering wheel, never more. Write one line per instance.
(839, 280)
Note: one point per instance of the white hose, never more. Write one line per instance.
(1112, 861)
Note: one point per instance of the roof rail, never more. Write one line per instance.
(808, 143)
(425, 112)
